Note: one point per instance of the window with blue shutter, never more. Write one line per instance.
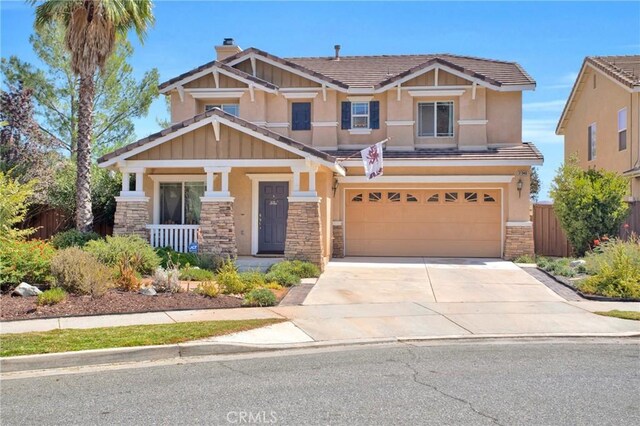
(374, 111)
(346, 115)
(301, 116)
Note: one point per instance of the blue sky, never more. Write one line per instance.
(549, 39)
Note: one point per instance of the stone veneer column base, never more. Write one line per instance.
(518, 240)
(338, 240)
(131, 217)
(304, 232)
(217, 227)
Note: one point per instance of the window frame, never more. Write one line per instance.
(592, 138)
(159, 179)
(208, 107)
(452, 115)
(354, 115)
(626, 126)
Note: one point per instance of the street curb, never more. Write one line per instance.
(186, 350)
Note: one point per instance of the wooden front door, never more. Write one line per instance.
(272, 216)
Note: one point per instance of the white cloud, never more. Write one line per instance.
(540, 131)
(547, 106)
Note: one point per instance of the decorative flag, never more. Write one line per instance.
(372, 158)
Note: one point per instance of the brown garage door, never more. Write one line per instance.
(455, 222)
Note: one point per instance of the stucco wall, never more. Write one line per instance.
(600, 105)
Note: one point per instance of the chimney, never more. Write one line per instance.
(337, 47)
(228, 48)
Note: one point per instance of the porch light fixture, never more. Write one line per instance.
(519, 187)
(334, 187)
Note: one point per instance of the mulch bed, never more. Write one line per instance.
(114, 302)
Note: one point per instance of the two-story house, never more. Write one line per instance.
(263, 158)
(601, 117)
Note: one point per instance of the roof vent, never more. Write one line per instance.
(337, 47)
(227, 42)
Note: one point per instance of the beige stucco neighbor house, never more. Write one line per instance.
(600, 120)
(263, 158)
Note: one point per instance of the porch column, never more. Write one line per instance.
(518, 240)
(304, 227)
(132, 207)
(216, 216)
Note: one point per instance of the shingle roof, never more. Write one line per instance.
(625, 69)
(378, 71)
(524, 151)
(216, 111)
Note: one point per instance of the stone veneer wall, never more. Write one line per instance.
(218, 230)
(518, 241)
(304, 232)
(338, 240)
(131, 218)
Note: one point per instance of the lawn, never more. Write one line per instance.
(629, 315)
(69, 340)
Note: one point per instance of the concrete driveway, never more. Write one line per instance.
(364, 298)
(439, 280)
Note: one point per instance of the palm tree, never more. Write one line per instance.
(91, 28)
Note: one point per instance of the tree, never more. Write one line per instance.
(589, 203)
(119, 97)
(534, 184)
(14, 201)
(91, 29)
(26, 152)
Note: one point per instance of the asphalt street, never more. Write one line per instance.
(543, 383)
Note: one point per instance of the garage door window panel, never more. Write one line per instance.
(394, 197)
(450, 197)
(434, 198)
(375, 197)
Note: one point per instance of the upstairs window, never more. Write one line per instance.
(301, 116)
(360, 115)
(435, 119)
(591, 142)
(622, 129)
(233, 109)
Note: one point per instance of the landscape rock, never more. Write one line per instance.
(148, 291)
(26, 290)
(576, 263)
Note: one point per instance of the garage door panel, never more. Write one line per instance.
(470, 226)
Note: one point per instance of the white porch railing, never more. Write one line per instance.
(178, 237)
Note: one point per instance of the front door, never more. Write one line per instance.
(272, 216)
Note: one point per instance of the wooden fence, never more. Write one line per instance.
(49, 222)
(550, 240)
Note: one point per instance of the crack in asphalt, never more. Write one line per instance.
(415, 378)
(221, 363)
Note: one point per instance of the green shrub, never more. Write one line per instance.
(252, 279)
(296, 267)
(14, 203)
(52, 296)
(196, 274)
(73, 238)
(28, 261)
(273, 286)
(525, 258)
(125, 252)
(615, 269)
(229, 279)
(259, 297)
(208, 289)
(166, 280)
(207, 261)
(79, 272)
(558, 266)
(588, 203)
(284, 278)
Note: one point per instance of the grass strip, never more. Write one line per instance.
(69, 340)
(629, 315)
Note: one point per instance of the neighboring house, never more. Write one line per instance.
(263, 158)
(600, 120)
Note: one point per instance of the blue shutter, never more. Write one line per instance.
(346, 115)
(301, 116)
(374, 114)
